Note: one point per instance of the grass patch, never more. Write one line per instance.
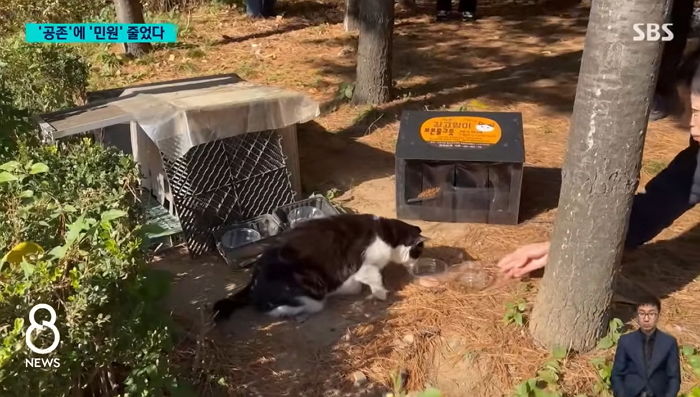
(653, 167)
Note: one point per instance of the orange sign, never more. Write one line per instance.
(461, 129)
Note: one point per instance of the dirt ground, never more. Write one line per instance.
(518, 57)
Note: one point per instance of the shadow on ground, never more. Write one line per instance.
(443, 64)
(272, 357)
(330, 161)
(662, 268)
(537, 180)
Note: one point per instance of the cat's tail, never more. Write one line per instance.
(225, 307)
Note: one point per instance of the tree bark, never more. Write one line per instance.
(130, 11)
(352, 15)
(600, 174)
(374, 52)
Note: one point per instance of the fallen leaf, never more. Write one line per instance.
(19, 251)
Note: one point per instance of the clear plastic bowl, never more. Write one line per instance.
(238, 237)
(304, 213)
(474, 276)
(428, 267)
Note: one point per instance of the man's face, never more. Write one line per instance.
(690, 104)
(647, 316)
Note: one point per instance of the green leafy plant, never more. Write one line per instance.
(430, 392)
(613, 336)
(15, 13)
(515, 313)
(693, 392)
(691, 356)
(345, 91)
(602, 365)
(603, 369)
(398, 384)
(13, 122)
(42, 77)
(71, 223)
(546, 382)
(398, 387)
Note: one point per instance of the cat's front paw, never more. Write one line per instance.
(380, 294)
(301, 318)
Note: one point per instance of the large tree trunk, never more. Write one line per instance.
(600, 174)
(352, 15)
(130, 11)
(374, 52)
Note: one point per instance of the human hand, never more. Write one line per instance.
(524, 260)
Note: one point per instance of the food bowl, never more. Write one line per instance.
(305, 213)
(428, 267)
(238, 237)
(434, 272)
(474, 276)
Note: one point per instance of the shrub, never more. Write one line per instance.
(42, 77)
(15, 13)
(71, 217)
(13, 123)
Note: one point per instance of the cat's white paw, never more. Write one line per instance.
(300, 318)
(380, 294)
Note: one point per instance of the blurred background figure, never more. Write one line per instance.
(467, 9)
(665, 96)
(260, 8)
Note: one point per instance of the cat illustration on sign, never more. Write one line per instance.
(481, 127)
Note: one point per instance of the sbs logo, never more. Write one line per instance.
(45, 324)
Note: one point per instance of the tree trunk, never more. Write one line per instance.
(130, 11)
(600, 174)
(374, 52)
(352, 15)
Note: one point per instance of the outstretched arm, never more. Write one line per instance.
(524, 260)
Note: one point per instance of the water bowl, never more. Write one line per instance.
(304, 213)
(238, 237)
(428, 267)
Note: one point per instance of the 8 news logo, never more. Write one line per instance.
(33, 327)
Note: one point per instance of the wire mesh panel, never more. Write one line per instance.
(227, 181)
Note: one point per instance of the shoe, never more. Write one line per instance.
(441, 15)
(467, 16)
(659, 109)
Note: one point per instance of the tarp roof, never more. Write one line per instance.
(180, 114)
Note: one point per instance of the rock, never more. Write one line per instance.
(408, 338)
(358, 378)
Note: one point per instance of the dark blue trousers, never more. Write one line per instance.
(464, 5)
(260, 8)
(667, 196)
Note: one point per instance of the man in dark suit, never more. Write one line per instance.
(646, 361)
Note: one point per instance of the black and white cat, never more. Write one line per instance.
(325, 257)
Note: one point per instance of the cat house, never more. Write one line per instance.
(459, 166)
(212, 150)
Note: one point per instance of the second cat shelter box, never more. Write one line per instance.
(459, 166)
